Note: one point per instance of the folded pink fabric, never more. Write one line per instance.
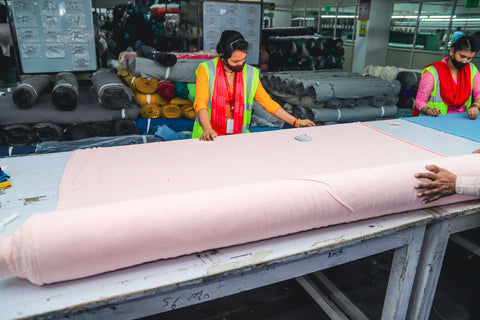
(118, 231)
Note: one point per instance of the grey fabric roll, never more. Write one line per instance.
(65, 92)
(353, 114)
(377, 101)
(409, 79)
(259, 112)
(111, 90)
(26, 94)
(182, 71)
(391, 99)
(88, 110)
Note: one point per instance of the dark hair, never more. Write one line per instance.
(465, 43)
(231, 41)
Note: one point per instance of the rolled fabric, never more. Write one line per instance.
(191, 91)
(166, 89)
(183, 70)
(77, 131)
(112, 92)
(46, 132)
(181, 102)
(409, 79)
(144, 85)
(188, 112)
(101, 129)
(406, 102)
(126, 77)
(65, 92)
(124, 127)
(17, 134)
(163, 58)
(391, 99)
(25, 94)
(144, 99)
(131, 232)
(150, 111)
(170, 111)
(351, 114)
(182, 89)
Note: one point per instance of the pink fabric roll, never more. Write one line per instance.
(80, 242)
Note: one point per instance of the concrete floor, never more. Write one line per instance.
(364, 282)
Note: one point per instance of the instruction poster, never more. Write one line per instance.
(242, 17)
(54, 35)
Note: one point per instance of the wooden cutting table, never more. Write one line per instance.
(174, 283)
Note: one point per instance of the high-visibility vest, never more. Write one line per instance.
(250, 84)
(435, 99)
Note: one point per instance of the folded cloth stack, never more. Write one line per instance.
(4, 183)
(167, 90)
(151, 111)
(171, 111)
(65, 93)
(112, 92)
(25, 94)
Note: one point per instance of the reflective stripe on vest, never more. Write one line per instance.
(435, 99)
(250, 82)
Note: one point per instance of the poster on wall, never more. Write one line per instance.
(54, 35)
(242, 17)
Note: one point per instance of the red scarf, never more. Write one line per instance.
(454, 94)
(219, 101)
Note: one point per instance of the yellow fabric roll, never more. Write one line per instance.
(189, 112)
(144, 85)
(5, 185)
(126, 76)
(181, 102)
(144, 99)
(171, 111)
(150, 111)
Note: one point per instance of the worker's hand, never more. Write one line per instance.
(440, 183)
(306, 123)
(208, 135)
(476, 151)
(472, 112)
(434, 112)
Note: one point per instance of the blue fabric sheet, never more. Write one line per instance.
(149, 126)
(454, 123)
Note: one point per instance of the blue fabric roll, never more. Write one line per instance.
(149, 126)
(182, 89)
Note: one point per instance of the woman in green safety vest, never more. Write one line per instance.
(225, 90)
(451, 85)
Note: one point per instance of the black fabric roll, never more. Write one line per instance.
(76, 131)
(111, 90)
(65, 92)
(165, 59)
(405, 102)
(17, 134)
(409, 79)
(46, 132)
(26, 93)
(125, 127)
(101, 129)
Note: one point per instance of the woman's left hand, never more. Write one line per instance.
(472, 112)
(306, 123)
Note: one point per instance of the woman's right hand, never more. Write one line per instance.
(434, 112)
(208, 135)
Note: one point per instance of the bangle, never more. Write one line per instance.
(475, 105)
(294, 124)
(298, 123)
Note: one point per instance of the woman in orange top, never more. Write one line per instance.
(227, 111)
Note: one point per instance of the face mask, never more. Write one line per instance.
(234, 68)
(457, 64)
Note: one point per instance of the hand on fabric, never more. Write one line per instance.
(476, 151)
(208, 135)
(306, 123)
(472, 112)
(434, 112)
(441, 183)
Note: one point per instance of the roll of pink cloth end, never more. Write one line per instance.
(75, 243)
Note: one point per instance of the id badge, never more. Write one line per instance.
(230, 126)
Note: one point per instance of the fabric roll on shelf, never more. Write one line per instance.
(345, 115)
(181, 89)
(167, 89)
(163, 58)
(191, 91)
(340, 103)
(46, 132)
(145, 99)
(260, 117)
(101, 129)
(150, 111)
(170, 111)
(409, 78)
(144, 85)
(77, 131)
(111, 90)
(26, 93)
(149, 126)
(124, 127)
(16, 134)
(182, 71)
(65, 92)
(188, 112)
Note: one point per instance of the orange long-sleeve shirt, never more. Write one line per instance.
(202, 95)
